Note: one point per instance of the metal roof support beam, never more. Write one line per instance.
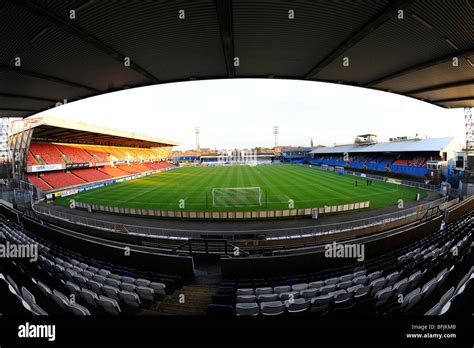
(78, 32)
(20, 110)
(452, 99)
(18, 96)
(464, 83)
(46, 77)
(359, 35)
(421, 66)
(224, 15)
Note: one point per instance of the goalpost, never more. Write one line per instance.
(236, 196)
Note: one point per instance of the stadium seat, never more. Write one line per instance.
(90, 297)
(77, 309)
(247, 309)
(272, 308)
(131, 299)
(109, 305)
(298, 305)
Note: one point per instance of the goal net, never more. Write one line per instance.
(235, 197)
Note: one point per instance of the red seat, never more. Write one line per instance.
(38, 182)
(75, 154)
(91, 174)
(61, 179)
(48, 152)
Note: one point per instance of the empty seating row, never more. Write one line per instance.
(74, 154)
(54, 153)
(46, 153)
(456, 296)
(61, 179)
(39, 182)
(58, 179)
(95, 287)
(421, 259)
(91, 174)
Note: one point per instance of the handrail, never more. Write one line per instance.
(277, 233)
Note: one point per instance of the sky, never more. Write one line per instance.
(241, 113)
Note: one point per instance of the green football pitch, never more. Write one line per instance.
(191, 189)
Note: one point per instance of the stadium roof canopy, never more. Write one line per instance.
(422, 145)
(49, 53)
(61, 131)
(295, 149)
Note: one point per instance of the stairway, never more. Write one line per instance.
(196, 298)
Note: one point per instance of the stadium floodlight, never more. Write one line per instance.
(276, 131)
(197, 132)
(236, 196)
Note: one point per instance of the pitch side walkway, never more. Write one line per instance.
(240, 225)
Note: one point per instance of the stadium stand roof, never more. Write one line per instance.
(430, 145)
(55, 130)
(295, 149)
(47, 56)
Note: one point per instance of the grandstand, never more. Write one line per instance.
(295, 155)
(406, 238)
(280, 268)
(63, 155)
(407, 157)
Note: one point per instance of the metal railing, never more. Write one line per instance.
(404, 182)
(268, 234)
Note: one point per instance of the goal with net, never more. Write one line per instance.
(236, 196)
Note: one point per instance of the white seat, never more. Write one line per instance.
(158, 288)
(94, 286)
(281, 289)
(109, 305)
(73, 288)
(60, 299)
(331, 281)
(247, 309)
(289, 295)
(309, 293)
(99, 278)
(316, 284)
(128, 287)
(128, 280)
(111, 292)
(246, 298)
(268, 297)
(104, 272)
(298, 305)
(300, 287)
(272, 308)
(263, 291)
(142, 282)
(245, 292)
(131, 299)
(77, 309)
(89, 297)
(27, 296)
(113, 282)
(145, 293)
